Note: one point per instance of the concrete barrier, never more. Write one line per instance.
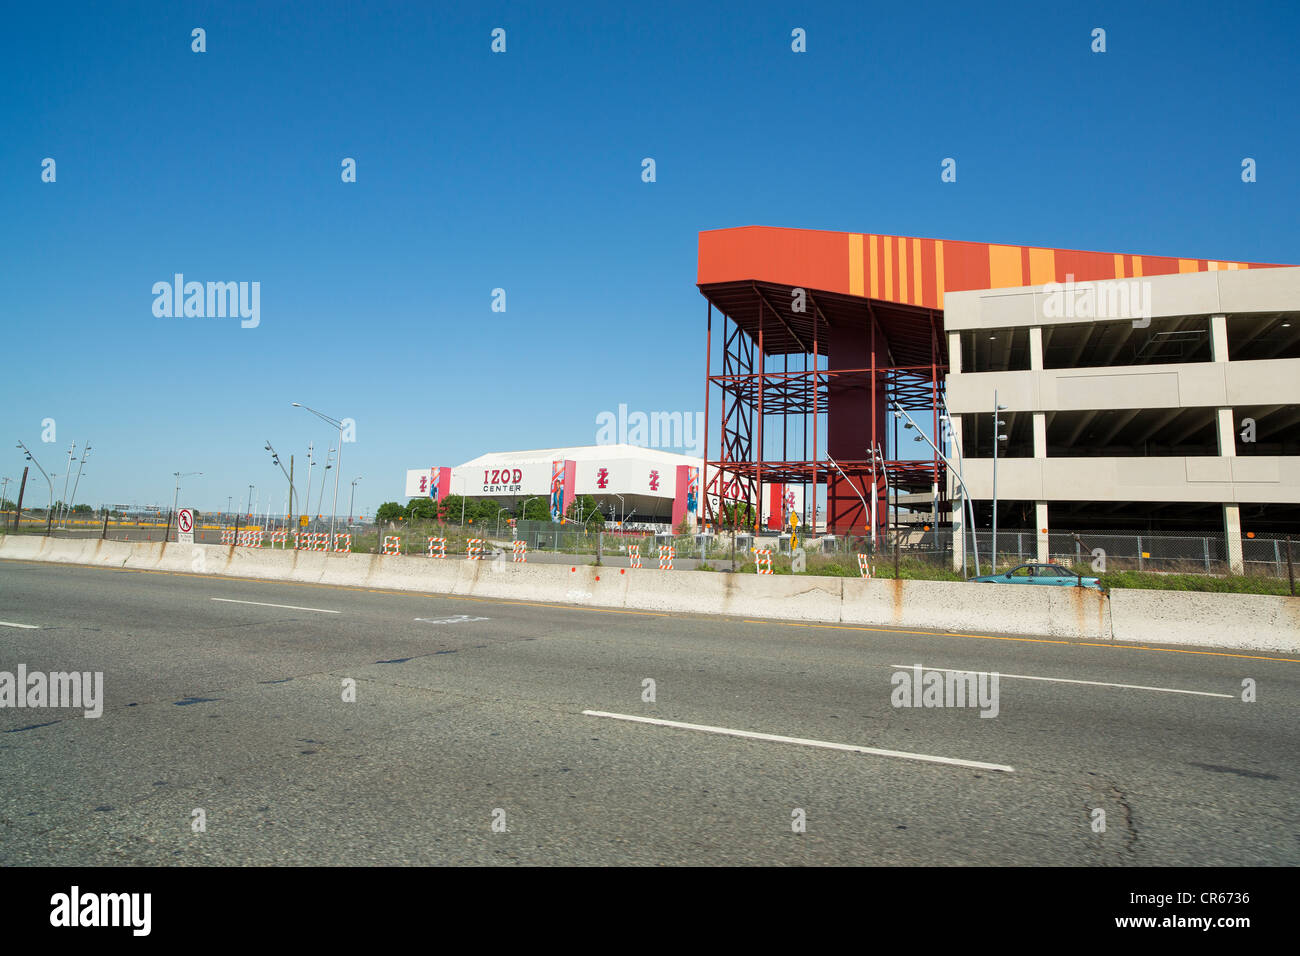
(1247, 621)
(1261, 622)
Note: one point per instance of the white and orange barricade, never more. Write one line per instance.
(437, 547)
(474, 549)
(322, 541)
(763, 556)
(392, 544)
(300, 540)
(634, 555)
(521, 551)
(343, 543)
(666, 555)
(227, 535)
(280, 536)
(250, 538)
(863, 567)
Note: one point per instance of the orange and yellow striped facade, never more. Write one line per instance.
(914, 271)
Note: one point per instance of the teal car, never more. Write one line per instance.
(1052, 575)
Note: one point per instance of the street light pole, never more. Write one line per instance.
(249, 509)
(288, 476)
(338, 464)
(352, 498)
(63, 505)
(922, 436)
(997, 439)
(85, 453)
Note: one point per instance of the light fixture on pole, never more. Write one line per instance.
(524, 510)
(352, 498)
(177, 493)
(324, 478)
(957, 473)
(288, 476)
(63, 504)
(85, 453)
(998, 438)
(338, 465)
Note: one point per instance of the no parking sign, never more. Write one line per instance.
(185, 526)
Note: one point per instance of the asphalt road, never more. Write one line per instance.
(470, 711)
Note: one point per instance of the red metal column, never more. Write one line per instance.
(704, 463)
(758, 482)
(816, 389)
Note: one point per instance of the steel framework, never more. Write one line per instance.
(853, 358)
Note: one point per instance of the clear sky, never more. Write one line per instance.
(522, 171)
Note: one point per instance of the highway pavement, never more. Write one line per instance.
(499, 732)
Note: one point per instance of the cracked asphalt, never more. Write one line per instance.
(467, 741)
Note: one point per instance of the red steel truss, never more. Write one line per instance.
(822, 371)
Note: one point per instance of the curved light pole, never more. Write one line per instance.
(49, 512)
(275, 458)
(524, 510)
(338, 465)
(899, 411)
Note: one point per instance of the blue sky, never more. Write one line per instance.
(522, 171)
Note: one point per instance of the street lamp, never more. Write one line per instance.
(524, 510)
(49, 512)
(63, 505)
(249, 510)
(288, 476)
(998, 438)
(324, 478)
(85, 453)
(177, 493)
(500, 511)
(622, 505)
(351, 498)
(339, 464)
(956, 472)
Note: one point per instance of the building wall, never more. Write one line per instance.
(1219, 304)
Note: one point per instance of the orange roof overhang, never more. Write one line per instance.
(911, 271)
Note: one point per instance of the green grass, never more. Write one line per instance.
(1231, 584)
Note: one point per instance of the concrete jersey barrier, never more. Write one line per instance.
(1255, 622)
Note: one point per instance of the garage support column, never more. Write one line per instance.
(1040, 517)
(1227, 436)
(1035, 348)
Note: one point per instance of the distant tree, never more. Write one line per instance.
(421, 508)
(389, 511)
(86, 509)
(684, 526)
(539, 509)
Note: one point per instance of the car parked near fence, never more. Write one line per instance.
(1051, 575)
